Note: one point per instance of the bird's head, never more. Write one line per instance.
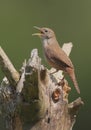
(45, 33)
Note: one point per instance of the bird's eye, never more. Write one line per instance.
(46, 30)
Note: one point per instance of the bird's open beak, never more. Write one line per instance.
(38, 34)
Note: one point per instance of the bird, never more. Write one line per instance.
(54, 54)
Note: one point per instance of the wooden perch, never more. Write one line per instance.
(41, 97)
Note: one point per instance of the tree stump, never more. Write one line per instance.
(36, 98)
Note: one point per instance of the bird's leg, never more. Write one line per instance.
(54, 72)
(61, 83)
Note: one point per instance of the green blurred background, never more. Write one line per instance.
(71, 21)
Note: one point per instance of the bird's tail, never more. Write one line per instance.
(73, 78)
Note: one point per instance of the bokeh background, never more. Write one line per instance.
(71, 21)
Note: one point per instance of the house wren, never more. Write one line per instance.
(54, 55)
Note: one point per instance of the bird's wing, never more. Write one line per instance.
(58, 56)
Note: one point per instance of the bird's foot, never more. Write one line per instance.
(61, 83)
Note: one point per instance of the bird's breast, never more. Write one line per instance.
(48, 58)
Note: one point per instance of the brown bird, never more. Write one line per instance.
(55, 56)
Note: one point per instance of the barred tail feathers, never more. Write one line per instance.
(71, 73)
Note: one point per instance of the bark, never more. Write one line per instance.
(36, 98)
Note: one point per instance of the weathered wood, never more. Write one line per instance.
(41, 97)
(8, 68)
